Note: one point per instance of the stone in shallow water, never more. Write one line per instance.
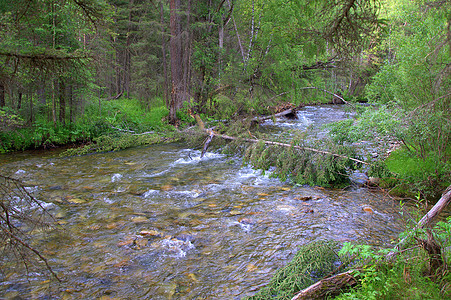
(166, 187)
(251, 268)
(303, 198)
(77, 201)
(193, 277)
(139, 219)
(149, 233)
(235, 212)
(367, 209)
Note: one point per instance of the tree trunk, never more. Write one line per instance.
(62, 100)
(163, 50)
(71, 104)
(30, 98)
(19, 100)
(211, 133)
(186, 48)
(2, 95)
(53, 103)
(176, 62)
(442, 203)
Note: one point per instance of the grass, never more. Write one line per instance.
(111, 118)
(429, 176)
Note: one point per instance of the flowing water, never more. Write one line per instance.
(160, 222)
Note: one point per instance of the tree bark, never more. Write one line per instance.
(62, 100)
(175, 47)
(19, 100)
(327, 287)
(163, 50)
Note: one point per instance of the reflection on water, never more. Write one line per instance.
(161, 223)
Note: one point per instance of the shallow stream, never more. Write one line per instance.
(160, 222)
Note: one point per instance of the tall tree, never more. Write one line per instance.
(42, 39)
(178, 90)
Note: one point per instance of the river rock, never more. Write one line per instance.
(374, 181)
(76, 201)
(166, 187)
(367, 209)
(149, 233)
(139, 219)
(285, 207)
(358, 178)
(251, 268)
(304, 198)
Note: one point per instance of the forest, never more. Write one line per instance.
(104, 75)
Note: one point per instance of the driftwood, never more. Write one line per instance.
(327, 287)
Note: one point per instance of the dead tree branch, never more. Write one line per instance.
(427, 219)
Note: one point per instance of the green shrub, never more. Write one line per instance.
(429, 176)
(405, 277)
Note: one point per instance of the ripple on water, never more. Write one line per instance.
(241, 225)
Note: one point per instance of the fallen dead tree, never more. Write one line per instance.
(302, 164)
(212, 134)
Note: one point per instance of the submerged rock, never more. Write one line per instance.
(359, 179)
(368, 209)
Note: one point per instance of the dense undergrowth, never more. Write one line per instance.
(408, 276)
(116, 118)
(420, 161)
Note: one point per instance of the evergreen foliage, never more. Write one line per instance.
(303, 166)
(312, 262)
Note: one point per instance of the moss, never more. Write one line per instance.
(108, 143)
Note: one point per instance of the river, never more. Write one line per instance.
(160, 222)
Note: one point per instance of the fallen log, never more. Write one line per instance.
(207, 142)
(327, 287)
(212, 134)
